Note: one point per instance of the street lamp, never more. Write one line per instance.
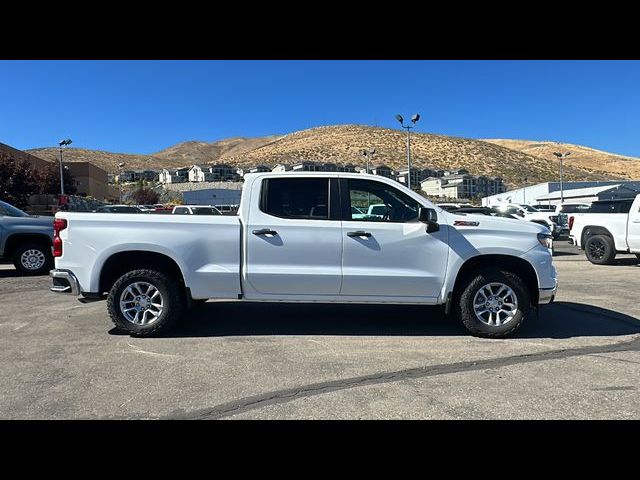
(368, 154)
(414, 120)
(561, 156)
(120, 165)
(62, 143)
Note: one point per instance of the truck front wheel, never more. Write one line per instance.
(600, 249)
(494, 303)
(145, 302)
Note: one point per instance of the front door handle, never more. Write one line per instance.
(359, 233)
(265, 231)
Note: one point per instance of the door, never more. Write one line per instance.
(633, 228)
(294, 239)
(387, 252)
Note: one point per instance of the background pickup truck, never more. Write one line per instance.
(26, 240)
(295, 239)
(610, 226)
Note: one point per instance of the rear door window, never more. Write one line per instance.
(302, 198)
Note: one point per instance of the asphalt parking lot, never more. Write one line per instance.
(60, 359)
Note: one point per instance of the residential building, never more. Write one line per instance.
(281, 167)
(416, 176)
(197, 173)
(222, 172)
(383, 171)
(454, 185)
(126, 176)
(170, 176)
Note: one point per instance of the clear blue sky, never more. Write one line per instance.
(145, 106)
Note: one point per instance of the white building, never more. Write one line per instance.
(197, 173)
(540, 193)
(461, 185)
(170, 176)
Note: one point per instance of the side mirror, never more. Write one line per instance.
(427, 215)
(430, 217)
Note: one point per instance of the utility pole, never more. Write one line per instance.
(414, 120)
(62, 143)
(367, 155)
(120, 166)
(561, 156)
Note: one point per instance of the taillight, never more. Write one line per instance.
(571, 218)
(59, 224)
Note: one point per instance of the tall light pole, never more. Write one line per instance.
(367, 155)
(62, 143)
(561, 156)
(524, 191)
(414, 120)
(120, 165)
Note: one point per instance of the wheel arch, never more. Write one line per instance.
(14, 240)
(119, 263)
(591, 230)
(516, 265)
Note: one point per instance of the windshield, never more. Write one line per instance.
(11, 211)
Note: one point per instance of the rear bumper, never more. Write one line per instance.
(64, 281)
(547, 295)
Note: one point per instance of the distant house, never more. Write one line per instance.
(196, 173)
(258, 168)
(170, 176)
(223, 172)
(281, 167)
(348, 168)
(306, 167)
(462, 185)
(383, 171)
(127, 176)
(416, 176)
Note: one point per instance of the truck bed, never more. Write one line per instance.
(205, 248)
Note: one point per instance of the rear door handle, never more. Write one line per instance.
(264, 231)
(359, 233)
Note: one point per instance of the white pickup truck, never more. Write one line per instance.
(609, 227)
(295, 240)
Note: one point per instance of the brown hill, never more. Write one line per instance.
(342, 144)
(590, 159)
(513, 160)
(203, 152)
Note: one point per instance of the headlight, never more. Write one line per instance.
(545, 240)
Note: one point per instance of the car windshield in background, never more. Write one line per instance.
(205, 211)
(8, 210)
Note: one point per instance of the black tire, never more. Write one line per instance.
(173, 299)
(600, 249)
(43, 249)
(465, 307)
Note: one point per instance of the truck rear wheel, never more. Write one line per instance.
(494, 303)
(145, 302)
(600, 249)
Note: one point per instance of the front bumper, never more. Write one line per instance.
(547, 295)
(64, 281)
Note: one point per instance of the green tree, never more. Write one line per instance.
(17, 181)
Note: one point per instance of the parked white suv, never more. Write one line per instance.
(295, 239)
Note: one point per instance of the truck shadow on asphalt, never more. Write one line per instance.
(558, 320)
